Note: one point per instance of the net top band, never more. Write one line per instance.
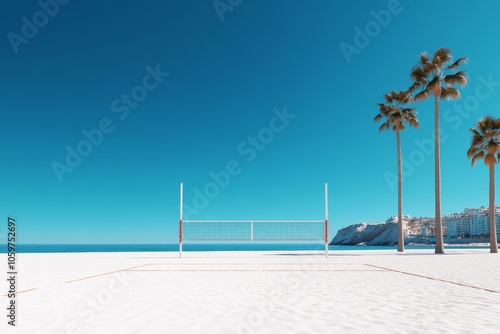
(253, 221)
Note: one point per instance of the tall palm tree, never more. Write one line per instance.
(485, 145)
(395, 114)
(431, 76)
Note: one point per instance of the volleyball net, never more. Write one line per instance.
(254, 230)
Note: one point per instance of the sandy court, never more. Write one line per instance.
(258, 292)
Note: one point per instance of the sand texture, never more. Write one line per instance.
(257, 292)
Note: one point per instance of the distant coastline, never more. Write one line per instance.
(386, 234)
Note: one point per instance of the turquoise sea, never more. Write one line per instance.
(67, 248)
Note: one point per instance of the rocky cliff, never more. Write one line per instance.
(371, 234)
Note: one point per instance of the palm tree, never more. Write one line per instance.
(431, 76)
(485, 145)
(396, 115)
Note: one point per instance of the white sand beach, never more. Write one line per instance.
(257, 292)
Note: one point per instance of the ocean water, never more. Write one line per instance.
(67, 248)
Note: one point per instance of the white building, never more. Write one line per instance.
(497, 221)
(480, 224)
(471, 212)
(459, 226)
(452, 229)
(472, 222)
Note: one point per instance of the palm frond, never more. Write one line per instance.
(429, 74)
(413, 87)
(406, 97)
(449, 93)
(430, 68)
(418, 75)
(478, 156)
(485, 142)
(413, 122)
(423, 95)
(424, 58)
(395, 112)
(496, 124)
(477, 140)
(458, 63)
(389, 97)
(408, 111)
(485, 123)
(474, 132)
(382, 127)
(458, 78)
(441, 57)
(435, 83)
(472, 151)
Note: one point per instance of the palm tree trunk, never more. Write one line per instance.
(401, 241)
(439, 226)
(493, 231)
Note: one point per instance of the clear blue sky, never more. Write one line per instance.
(225, 79)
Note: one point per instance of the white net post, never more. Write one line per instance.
(326, 219)
(180, 225)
